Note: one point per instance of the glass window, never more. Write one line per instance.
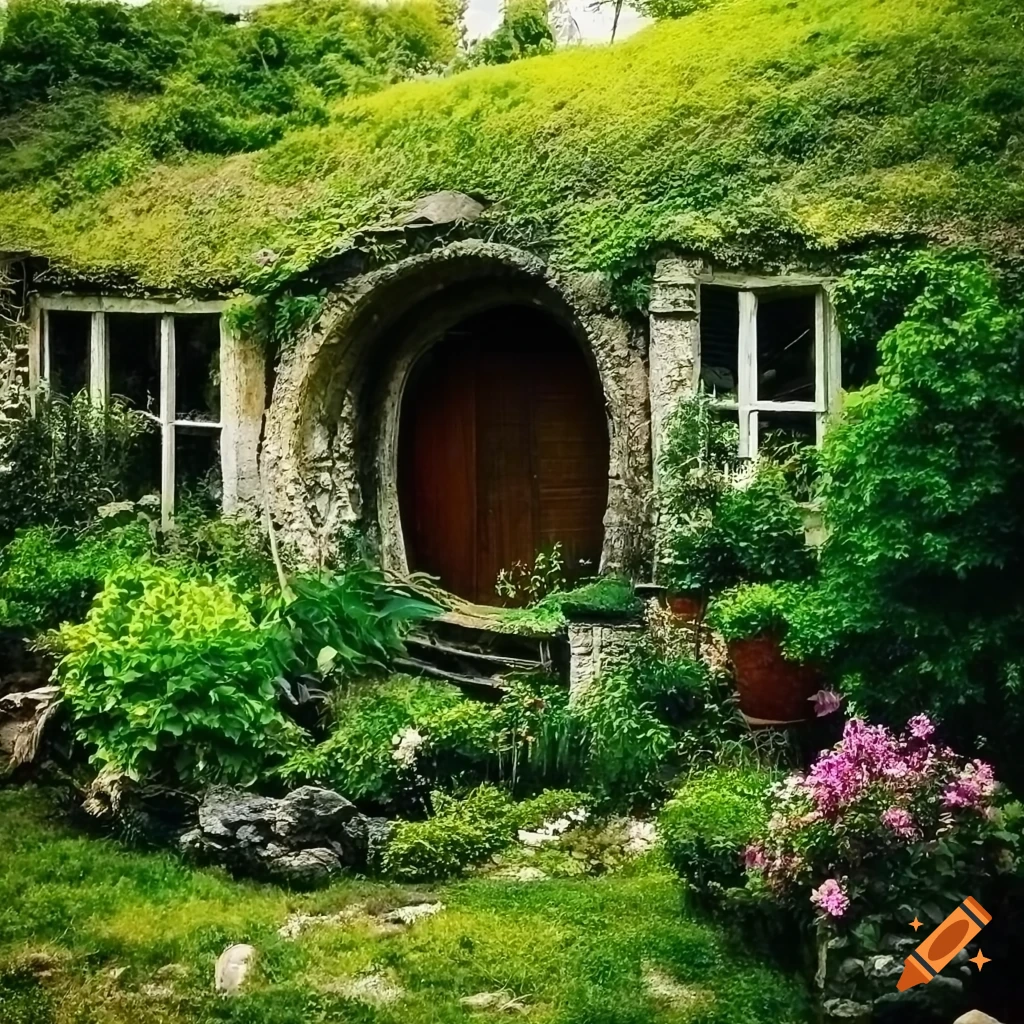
(719, 341)
(197, 365)
(133, 345)
(758, 355)
(785, 348)
(67, 347)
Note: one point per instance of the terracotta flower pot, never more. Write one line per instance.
(772, 690)
(687, 606)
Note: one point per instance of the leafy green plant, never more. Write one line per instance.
(550, 805)
(50, 575)
(342, 624)
(921, 598)
(698, 462)
(398, 735)
(58, 466)
(711, 821)
(754, 609)
(201, 83)
(169, 678)
(231, 547)
(533, 582)
(460, 833)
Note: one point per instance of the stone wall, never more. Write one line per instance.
(330, 450)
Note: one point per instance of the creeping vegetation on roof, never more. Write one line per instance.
(752, 129)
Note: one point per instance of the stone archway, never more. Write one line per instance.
(331, 449)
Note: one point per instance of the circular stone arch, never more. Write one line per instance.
(331, 449)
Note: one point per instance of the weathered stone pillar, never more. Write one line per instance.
(674, 343)
(243, 392)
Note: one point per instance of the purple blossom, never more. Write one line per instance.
(975, 784)
(830, 898)
(754, 858)
(900, 820)
(920, 727)
(825, 702)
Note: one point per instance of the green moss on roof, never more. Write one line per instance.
(754, 129)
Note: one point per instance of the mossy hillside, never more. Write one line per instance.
(756, 130)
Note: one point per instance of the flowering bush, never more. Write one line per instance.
(883, 827)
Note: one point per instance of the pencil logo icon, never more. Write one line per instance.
(943, 944)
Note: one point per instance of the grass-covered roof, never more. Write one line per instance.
(754, 129)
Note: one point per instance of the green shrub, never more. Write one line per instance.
(709, 824)
(227, 547)
(58, 466)
(200, 83)
(752, 610)
(623, 741)
(361, 758)
(50, 575)
(716, 529)
(922, 578)
(170, 678)
(461, 832)
(758, 532)
(550, 805)
(342, 625)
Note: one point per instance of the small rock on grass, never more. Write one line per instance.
(232, 968)
(372, 989)
(502, 1002)
(407, 915)
(665, 989)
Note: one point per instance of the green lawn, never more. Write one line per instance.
(74, 909)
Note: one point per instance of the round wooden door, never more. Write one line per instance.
(503, 452)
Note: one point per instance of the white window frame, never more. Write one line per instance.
(827, 363)
(99, 365)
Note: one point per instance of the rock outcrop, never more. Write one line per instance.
(303, 839)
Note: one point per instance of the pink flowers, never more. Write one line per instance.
(900, 821)
(754, 858)
(920, 727)
(972, 788)
(855, 827)
(830, 898)
(825, 702)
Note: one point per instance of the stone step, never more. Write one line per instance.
(469, 650)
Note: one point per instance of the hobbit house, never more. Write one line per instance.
(462, 403)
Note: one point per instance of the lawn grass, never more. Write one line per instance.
(75, 908)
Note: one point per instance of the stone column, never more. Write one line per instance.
(674, 342)
(243, 392)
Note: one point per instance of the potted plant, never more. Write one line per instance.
(753, 620)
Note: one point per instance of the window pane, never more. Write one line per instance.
(197, 359)
(68, 340)
(719, 340)
(142, 474)
(785, 348)
(197, 476)
(782, 434)
(133, 341)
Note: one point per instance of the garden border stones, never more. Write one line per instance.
(302, 839)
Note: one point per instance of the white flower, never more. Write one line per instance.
(408, 742)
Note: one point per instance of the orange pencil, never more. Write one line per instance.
(943, 944)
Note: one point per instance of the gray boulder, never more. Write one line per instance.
(302, 839)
